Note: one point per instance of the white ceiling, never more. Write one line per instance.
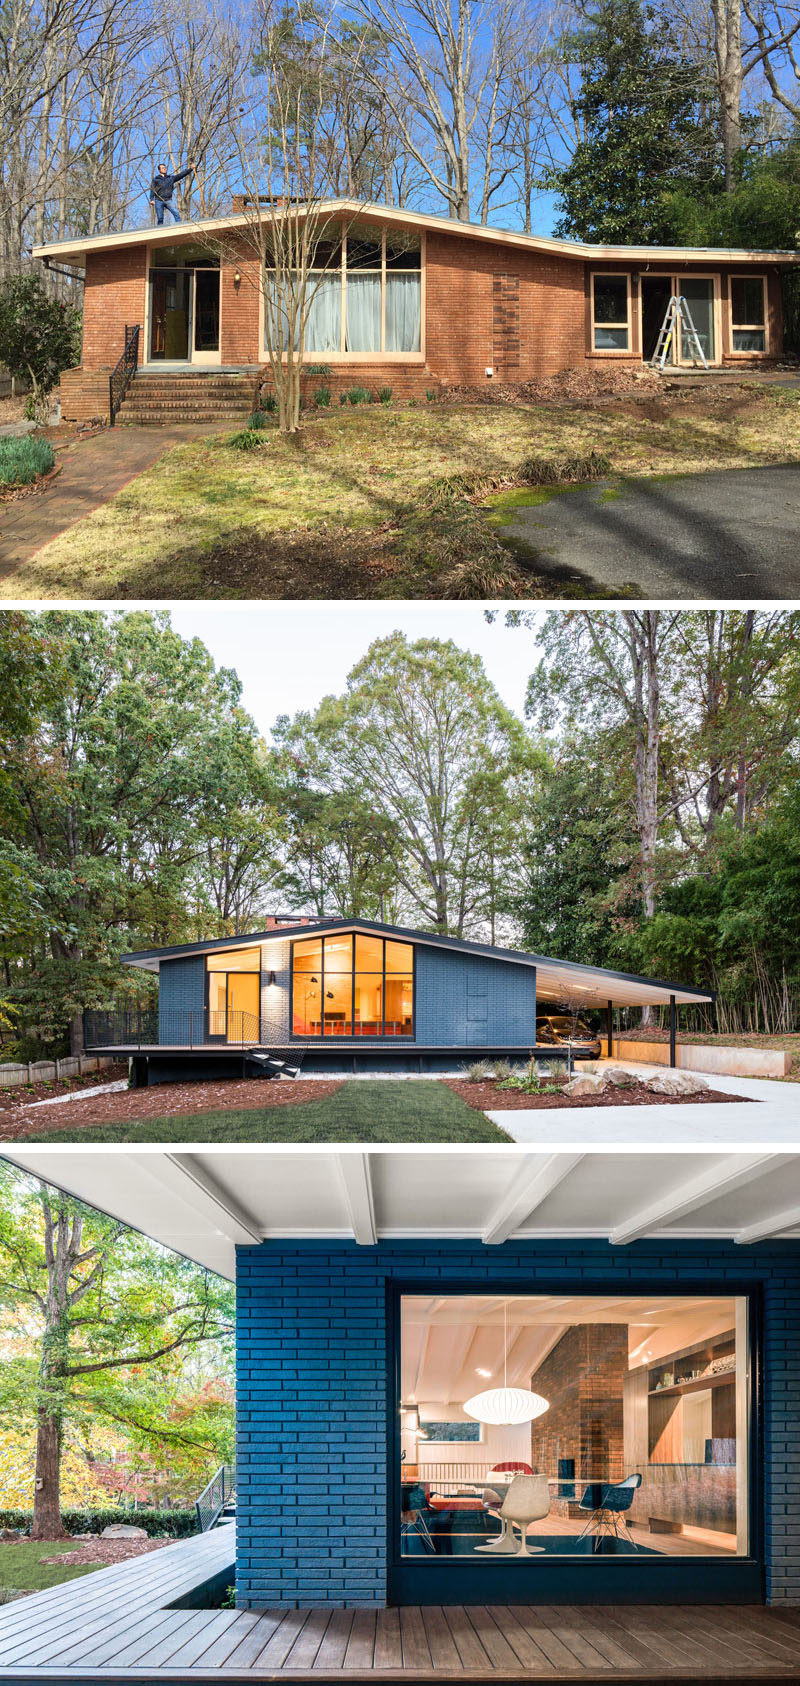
(203, 1202)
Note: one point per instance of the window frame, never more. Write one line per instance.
(749, 327)
(341, 357)
(611, 351)
(350, 1038)
(570, 1580)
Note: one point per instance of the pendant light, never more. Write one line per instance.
(504, 1406)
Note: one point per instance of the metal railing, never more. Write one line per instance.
(120, 378)
(151, 1027)
(219, 1492)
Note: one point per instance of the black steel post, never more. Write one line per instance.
(673, 1027)
(610, 1028)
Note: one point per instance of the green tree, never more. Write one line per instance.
(113, 1317)
(39, 336)
(643, 114)
(130, 769)
(421, 739)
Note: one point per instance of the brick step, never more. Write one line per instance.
(206, 398)
(181, 418)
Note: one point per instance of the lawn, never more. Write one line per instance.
(380, 1111)
(387, 503)
(21, 1569)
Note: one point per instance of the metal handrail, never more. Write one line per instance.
(215, 1495)
(120, 378)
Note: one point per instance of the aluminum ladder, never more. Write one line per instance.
(677, 317)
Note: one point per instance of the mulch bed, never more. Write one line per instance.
(167, 1100)
(18, 1099)
(101, 1552)
(486, 1097)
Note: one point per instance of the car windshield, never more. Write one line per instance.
(563, 1022)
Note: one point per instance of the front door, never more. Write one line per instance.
(205, 338)
(234, 1006)
(656, 292)
(170, 315)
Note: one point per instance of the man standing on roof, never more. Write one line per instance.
(162, 188)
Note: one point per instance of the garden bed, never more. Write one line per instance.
(489, 1097)
(24, 464)
(16, 1100)
(164, 1100)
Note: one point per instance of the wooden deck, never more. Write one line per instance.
(117, 1625)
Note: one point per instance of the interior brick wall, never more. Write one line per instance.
(582, 1378)
(313, 1408)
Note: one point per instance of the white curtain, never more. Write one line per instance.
(403, 309)
(363, 313)
(324, 322)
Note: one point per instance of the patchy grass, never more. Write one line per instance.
(21, 1568)
(360, 506)
(380, 1111)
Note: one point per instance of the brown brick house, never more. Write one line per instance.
(412, 301)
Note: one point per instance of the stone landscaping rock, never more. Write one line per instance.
(676, 1083)
(123, 1531)
(585, 1086)
(618, 1078)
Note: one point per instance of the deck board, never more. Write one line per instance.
(122, 1624)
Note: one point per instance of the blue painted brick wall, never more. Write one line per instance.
(311, 1389)
(181, 993)
(467, 999)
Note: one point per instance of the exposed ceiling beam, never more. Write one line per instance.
(356, 1175)
(194, 1185)
(525, 1193)
(766, 1227)
(713, 1184)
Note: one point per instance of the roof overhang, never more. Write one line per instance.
(205, 1202)
(216, 229)
(556, 980)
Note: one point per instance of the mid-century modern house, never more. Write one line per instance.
(348, 995)
(497, 1378)
(402, 299)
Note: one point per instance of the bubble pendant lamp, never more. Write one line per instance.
(504, 1406)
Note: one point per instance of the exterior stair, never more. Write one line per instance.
(187, 398)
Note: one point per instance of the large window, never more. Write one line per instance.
(748, 314)
(611, 313)
(636, 1442)
(364, 297)
(347, 985)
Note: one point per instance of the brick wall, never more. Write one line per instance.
(487, 305)
(84, 395)
(582, 1378)
(313, 1427)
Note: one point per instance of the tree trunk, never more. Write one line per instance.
(47, 1523)
(727, 16)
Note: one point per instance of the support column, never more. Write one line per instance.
(673, 1027)
(610, 1029)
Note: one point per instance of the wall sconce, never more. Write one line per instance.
(272, 980)
(237, 278)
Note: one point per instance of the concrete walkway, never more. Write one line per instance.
(731, 533)
(93, 470)
(701, 1128)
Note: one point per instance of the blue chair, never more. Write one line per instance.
(608, 1505)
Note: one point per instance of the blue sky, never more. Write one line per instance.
(289, 658)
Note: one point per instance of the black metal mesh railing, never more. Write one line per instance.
(136, 1027)
(220, 1491)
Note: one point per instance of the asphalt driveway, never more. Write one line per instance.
(731, 533)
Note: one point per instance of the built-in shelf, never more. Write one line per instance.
(696, 1385)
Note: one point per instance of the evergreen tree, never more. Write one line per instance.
(645, 127)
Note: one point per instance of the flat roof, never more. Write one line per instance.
(555, 979)
(216, 227)
(204, 1202)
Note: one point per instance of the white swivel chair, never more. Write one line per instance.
(527, 1501)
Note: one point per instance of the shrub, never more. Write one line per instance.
(322, 397)
(247, 440)
(178, 1524)
(431, 394)
(39, 336)
(23, 460)
(358, 395)
(269, 403)
(501, 1071)
(385, 395)
(478, 1072)
(258, 419)
(321, 369)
